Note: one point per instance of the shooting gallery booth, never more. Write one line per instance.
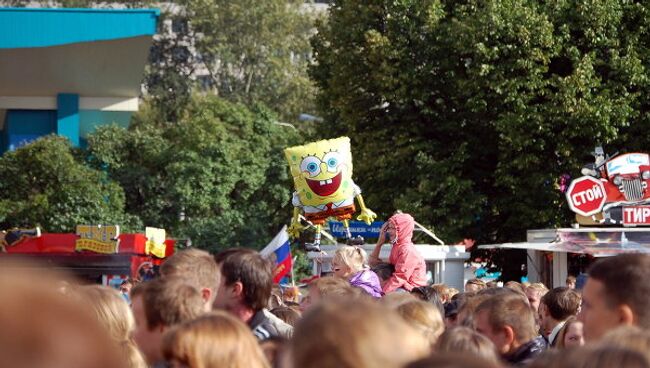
(67, 71)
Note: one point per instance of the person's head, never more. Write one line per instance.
(126, 286)
(247, 280)
(594, 356)
(114, 315)
(571, 334)
(384, 271)
(42, 327)
(464, 340)
(289, 315)
(629, 337)
(616, 293)
(198, 268)
(355, 334)
(217, 339)
(327, 288)
(453, 360)
(348, 260)
(424, 317)
(571, 282)
(506, 320)
(514, 285)
(158, 305)
(399, 228)
(443, 292)
(394, 300)
(475, 285)
(534, 293)
(556, 306)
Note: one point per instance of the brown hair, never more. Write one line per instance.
(168, 301)
(453, 360)
(443, 292)
(213, 340)
(287, 314)
(333, 287)
(510, 310)
(562, 302)
(514, 285)
(355, 334)
(195, 266)
(424, 317)
(478, 282)
(592, 357)
(563, 331)
(625, 280)
(629, 337)
(114, 315)
(253, 271)
(465, 340)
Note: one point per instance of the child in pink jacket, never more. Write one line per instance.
(410, 268)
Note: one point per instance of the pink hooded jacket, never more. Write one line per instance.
(410, 268)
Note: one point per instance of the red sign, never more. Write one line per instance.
(586, 196)
(636, 215)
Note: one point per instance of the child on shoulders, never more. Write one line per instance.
(349, 262)
(410, 267)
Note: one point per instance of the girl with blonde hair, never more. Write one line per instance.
(115, 316)
(350, 263)
(213, 340)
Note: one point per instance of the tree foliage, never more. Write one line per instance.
(43, 184)
(466, 113)
(217, 177)
(256, 51)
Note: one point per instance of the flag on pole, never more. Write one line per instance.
(279, 251)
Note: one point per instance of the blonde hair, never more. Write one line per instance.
(425, 318)
(42, 327)
(355, 334)
(115, 316)
(214, 340)
(353, 257)
(538, 287)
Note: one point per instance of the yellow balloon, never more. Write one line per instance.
(322, 171)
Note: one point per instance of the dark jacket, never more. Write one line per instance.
(266, 325)
(527, 352)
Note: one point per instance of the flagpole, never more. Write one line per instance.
(293, 279)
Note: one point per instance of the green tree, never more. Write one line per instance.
(218, 176)
(486, 103)
(256, 51)
(43, 184)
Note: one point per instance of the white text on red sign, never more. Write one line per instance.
(636, 215)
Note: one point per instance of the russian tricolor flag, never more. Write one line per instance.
(279, 249)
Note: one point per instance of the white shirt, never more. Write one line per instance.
(555, 331)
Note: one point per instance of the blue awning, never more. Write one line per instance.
(40, 27)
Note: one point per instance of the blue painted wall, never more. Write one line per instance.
(90, 120)
(24, 126)
(67, 117)
(25, 27)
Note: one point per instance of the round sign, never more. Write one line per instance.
(586, 196)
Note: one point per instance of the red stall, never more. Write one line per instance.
(95, 254)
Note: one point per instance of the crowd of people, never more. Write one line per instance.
(223, 310)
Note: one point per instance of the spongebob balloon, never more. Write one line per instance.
(322, 176)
